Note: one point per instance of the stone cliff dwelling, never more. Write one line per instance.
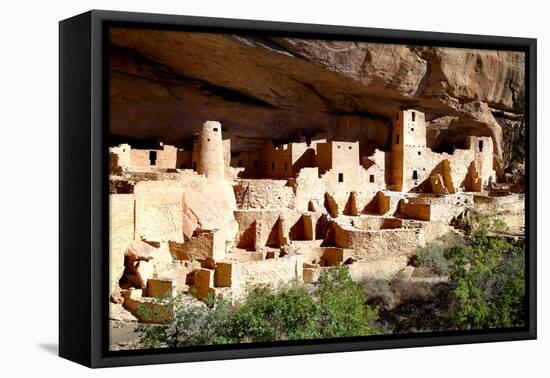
(206, 220)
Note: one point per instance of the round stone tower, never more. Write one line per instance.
(210, 150)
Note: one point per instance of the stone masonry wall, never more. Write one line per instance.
(273, 272)
(263, 194)
(121, 233)
(376, 243)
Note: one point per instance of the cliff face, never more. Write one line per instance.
(165, 84)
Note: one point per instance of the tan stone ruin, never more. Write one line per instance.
(203, 222)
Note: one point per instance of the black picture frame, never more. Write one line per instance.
(83, 181)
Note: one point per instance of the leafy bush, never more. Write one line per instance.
(336, 309)
(487, 284)
(266, 315)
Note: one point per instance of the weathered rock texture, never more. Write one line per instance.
(165, 84)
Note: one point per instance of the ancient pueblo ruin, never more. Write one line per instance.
(238, 161)
(203, 222)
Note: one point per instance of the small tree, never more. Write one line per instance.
(343, 308)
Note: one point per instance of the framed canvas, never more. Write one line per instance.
(234, 188)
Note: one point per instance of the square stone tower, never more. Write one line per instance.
(408, 147)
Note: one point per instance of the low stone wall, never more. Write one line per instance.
(510, 209)
(380, 268)
(376, 243)
(367, 222)
(206, 244)
(418, 211)
(274, 272)
(442, 208)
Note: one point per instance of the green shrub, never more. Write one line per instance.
(487, 284)
(343, 309)
(267, 315)
(432, 256)
(475, 223)
(191, 324)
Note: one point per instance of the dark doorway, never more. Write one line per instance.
(297, 230)
(153, 157)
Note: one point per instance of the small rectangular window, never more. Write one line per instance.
(415, 175)
(215, 129)
(413, 114)
(371, 178)
(419, 153)
(480, 146)
(340, 177)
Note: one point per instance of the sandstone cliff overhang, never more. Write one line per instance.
(164, 84)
